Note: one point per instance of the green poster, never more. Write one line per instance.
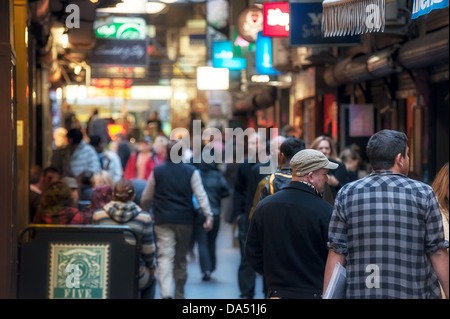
(79, 271)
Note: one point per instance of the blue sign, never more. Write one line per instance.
(264, 55)
(222, 56)
(306, 27)
(421, 7)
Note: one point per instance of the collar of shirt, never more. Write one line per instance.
(312, 187)
(386, 172)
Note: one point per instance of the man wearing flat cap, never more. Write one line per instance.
(288, 234)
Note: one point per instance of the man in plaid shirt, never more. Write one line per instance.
(386, 229)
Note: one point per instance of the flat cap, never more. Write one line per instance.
(309, 160)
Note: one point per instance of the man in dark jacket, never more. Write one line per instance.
(287, 238)
(170, 187)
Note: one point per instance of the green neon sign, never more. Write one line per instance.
(122, 28)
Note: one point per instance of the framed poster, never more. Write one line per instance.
(361, 120)
(79, 271)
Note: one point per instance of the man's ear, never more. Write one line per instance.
(399, 160)
(310, 177)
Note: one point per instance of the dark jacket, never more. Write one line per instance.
(215, 185)
(173, 193)
(287, 240)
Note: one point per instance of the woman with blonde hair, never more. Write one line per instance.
(440, 187)
(338, 177)
(102, 178)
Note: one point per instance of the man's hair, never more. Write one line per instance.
(291, 146)
(384, 146)
(95, 140)
(76, 135)
(50, 169)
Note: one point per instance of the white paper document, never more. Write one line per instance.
(338, 283)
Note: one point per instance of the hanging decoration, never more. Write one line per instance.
(352, 17)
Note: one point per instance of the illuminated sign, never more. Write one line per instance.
(249, 23)
(209, 78)
(421, 7)
(264, 55)
(276, 19)
(121, 28)
(114, 129)
(222, 56)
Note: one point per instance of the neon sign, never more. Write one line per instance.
(276, 19)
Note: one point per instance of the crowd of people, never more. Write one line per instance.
(294, 224)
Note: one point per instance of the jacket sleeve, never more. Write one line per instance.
(240, 192)
(253, 244)
(148, 193)
(200, 194)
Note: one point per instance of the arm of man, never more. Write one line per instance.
(440, 263)
(333, 259)
(202, 198)
(148, 193)
(253, 245)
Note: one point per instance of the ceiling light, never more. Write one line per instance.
(155, 7)
(136, 7)
(169, 1)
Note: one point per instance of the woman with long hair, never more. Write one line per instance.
(338, 177)
(440, 187)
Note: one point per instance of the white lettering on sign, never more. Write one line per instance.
(277, 17)
(316, 18)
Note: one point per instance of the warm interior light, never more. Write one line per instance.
(155, 7)
(136, 7)
(209, 78)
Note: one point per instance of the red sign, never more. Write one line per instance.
(276, 19)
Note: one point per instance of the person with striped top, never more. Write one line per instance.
(122, 210)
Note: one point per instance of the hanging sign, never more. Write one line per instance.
(306, 24)
(120, 52)
(222, 56)
(249, 23)
(264, 64)
(276, 19)
(121, 28)
(421, 7)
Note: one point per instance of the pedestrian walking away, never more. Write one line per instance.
(287, 238)
(386, 229)
(170, 188)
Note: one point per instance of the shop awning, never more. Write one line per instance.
(352, 17)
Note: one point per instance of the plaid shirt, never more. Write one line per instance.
(394, 223)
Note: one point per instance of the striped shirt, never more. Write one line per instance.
(389, 223)
(129, 214)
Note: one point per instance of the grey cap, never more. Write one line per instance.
(71, 182)
(309, 160)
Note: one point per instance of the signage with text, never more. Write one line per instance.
(306, 24)
(264, 64)
(222, 56)
(276, 19)
(120, 52)
(421, 7)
